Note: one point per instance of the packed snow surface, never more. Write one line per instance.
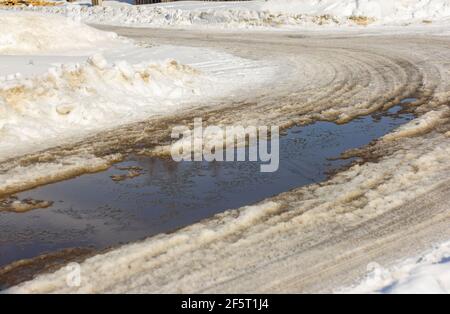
(61, 79)
(257, 14)
(429, 273)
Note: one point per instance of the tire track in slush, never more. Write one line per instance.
(279, 244)
(337, 90)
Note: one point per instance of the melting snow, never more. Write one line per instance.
(62, 80)
(250, 14)
(382, 10)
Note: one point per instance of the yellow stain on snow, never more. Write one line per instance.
(28, 2)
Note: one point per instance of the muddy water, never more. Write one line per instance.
(146, 196)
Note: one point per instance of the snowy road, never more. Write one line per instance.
(315, 238)
(333, 77)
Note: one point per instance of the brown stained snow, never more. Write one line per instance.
(232, 18)
(65, 81)
(302, 239)
(30, 176)
(333, 79)
(16, 272)
(361, 20)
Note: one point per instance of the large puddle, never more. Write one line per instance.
(97, 211)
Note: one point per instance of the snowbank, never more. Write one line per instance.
(73, 99)
(62, 80)
(383, 10)
(257, 14)
(30, 33)
(179, 14)
(429, 273)
(34, 175)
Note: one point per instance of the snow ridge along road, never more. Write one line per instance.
(315, 238)
(274, 14)
(57, 86)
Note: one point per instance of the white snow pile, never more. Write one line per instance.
(179, 14)
(250, 14)
(73, 99)
(30, 33)
(51, 92)
(429, 273)
(383, 10)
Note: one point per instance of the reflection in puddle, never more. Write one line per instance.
(145, 196)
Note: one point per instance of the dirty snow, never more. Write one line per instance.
(102, 90)
(422, 124)
(204, 257)
(428, 273)
(78, 98)
(257, 14)
(36, 174)
(66, 80)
